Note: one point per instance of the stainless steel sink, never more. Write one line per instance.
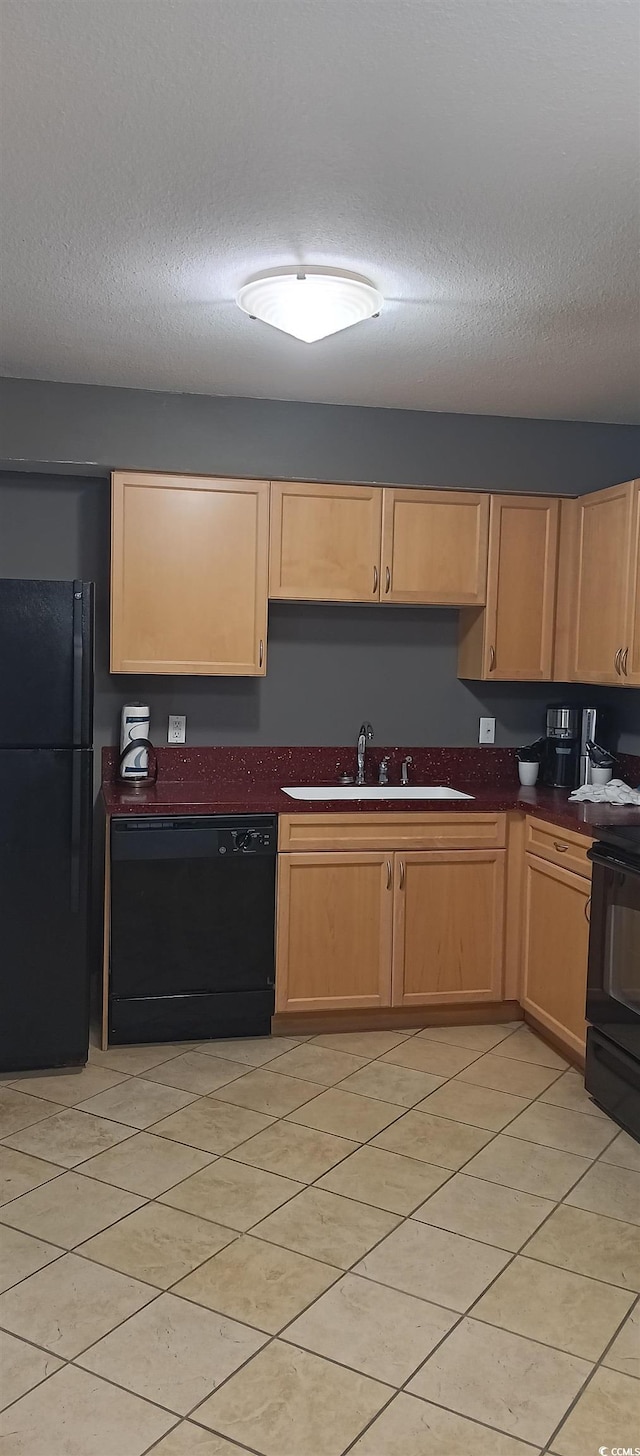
(351, 791)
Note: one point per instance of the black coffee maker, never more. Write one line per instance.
(561, 762)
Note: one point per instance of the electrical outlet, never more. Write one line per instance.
(487, 732)
(177, 728)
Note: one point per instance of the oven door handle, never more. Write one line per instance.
(611, 862)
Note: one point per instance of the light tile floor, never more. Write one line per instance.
(387, 1243)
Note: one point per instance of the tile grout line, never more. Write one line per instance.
(597, 1366)
(158, 1292)
(401, 1218)
(242, 1450)
(281, 1334)
(271, 1338)
(521, 1253)
(467, 1313)
(45, 1378)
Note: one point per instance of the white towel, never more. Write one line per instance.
(615, 792)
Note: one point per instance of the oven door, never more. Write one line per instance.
(613, 987)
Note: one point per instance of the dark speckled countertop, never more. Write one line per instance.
(249, 781)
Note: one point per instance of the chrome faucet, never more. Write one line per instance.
(383, 772)
(364, 737)
(404, 772)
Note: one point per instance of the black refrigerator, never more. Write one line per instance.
(46, 793)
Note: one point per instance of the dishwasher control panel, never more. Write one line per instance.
(245, 841)
(190, 836)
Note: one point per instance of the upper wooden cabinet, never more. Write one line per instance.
(604, 632)
(631, 665)
(325, 542)
(356, 543)
(434, 547)
(189, 571)
(194, 560)
(512, 639)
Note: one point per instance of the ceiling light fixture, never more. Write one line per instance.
(310, 302)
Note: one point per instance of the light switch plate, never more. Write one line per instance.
(487, 732)
(177, 729)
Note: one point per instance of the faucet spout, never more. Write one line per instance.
(406, 763)
(364, 737)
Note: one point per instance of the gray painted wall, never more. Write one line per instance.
(47, 425)
(328, 667)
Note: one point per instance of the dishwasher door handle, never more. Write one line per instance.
(170, 843)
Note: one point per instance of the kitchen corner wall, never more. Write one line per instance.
(328, 667)
(92, 429)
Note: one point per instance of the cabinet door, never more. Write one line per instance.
(556, 942)
(434, 547)
(448, 940)
(602, 594)
(189, 567)
(631, 661)
(521, 588)
(325, 542)
(335, 914)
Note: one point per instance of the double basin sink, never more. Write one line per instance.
(325, 792)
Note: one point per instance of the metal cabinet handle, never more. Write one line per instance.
(387, 579)
(261, 659)
(402, 874)
(492, 658)
(616, 660)
(623, 661)
(388, 874)
(561, 848)
(375, 580)
(587, 911)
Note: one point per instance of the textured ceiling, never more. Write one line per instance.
(478, 159)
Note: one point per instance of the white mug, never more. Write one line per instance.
(600, 774)
(528, 773)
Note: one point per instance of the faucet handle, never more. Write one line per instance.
(406, 763)
(383, 772)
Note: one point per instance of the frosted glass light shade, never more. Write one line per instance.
(308, 302)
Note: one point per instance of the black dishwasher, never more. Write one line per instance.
(192, 927)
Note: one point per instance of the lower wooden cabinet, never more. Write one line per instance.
(389, 925)
(367, 929)
(335, 917)
(448, 943)
(555, 949)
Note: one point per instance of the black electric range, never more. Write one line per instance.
(612, 1073)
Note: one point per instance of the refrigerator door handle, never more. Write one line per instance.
(76, 833)
(82, 665)
(78, 653)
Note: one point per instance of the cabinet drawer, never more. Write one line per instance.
(561, 847)
(391, 831)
